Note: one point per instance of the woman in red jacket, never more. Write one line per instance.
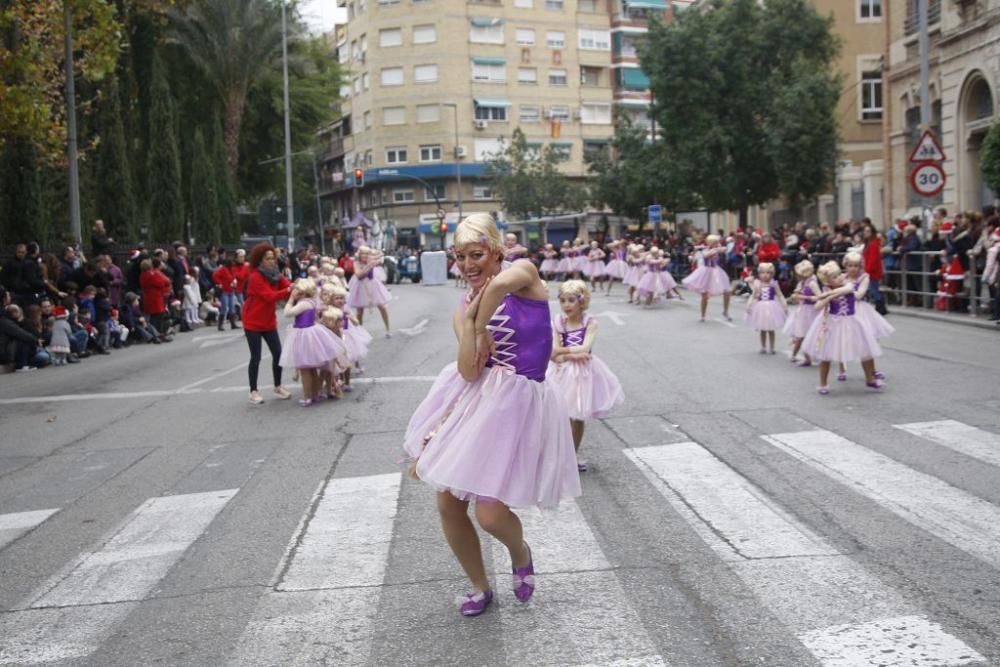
(226, 283)
(265, 288)
(768, 250)
(155, 286)
(873, 265)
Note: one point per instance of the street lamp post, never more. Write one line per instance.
(74, 169)
(319, 208)
(458, 166)
(288, 134)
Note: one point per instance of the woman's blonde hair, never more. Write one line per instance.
(306, 287)
(828, 272)
(712, 238)
(334, 289)
(479, 228)
(854, 258)
(331, 314)
(577, 288)
(804, 269)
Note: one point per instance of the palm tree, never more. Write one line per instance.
(233, 43)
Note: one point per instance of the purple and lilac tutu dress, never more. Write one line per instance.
(709, 277)
(504, 436)
(455, 271)
(617, 268)
(565, 265)
(589, 388)
(766, 312)
(550, 264)
(309, 345)
(580, 261)
(366, 291)
(657, 280)
(798, 323)
(356, 339)
(594, 267)
(840, 335)
(871, 317)
(380, 275)
(637, 268)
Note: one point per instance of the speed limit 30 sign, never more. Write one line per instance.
(927, 179)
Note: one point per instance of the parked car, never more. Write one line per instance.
(409, 268)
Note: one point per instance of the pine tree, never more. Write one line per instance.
(115, 195)
(204, 199)
(166, 206)
(21, 206)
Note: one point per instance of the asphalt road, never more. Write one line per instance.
(149, 515)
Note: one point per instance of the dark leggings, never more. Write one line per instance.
(273, 344)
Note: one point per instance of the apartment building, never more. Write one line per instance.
(434, 86)
(964, 73)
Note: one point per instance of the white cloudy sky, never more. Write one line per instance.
(322, 14)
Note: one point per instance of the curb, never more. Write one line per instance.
(962, 320)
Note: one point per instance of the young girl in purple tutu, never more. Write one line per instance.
(365, 290)
(355, 337)
(710, 279)
(492, 428)
(308, 346)
(584, 381)
(767, 308)
(806, 292)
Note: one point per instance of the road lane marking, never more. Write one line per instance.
(565, 624)
(968, 440)
(845, 616)
(959, 518)
(326, 593)
(417, 329)
(16, 524)
(240, 366)
(75, 611)
(613, 316)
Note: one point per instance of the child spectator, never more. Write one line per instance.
(59, 349)
(133, 318)
(192, 301)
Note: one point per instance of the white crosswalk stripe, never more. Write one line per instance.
(71, 614)
(16, 524)
(968, 440)
(842, 614)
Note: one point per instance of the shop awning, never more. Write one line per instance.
(634, 78)
(485, 21)
(483, 60)
(491, 102)
(647, 4)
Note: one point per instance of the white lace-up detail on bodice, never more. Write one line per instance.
(504, 356)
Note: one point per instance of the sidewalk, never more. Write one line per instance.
(952, 318)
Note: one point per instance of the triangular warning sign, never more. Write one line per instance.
(927, 149)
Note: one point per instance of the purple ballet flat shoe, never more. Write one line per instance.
(348, 388)
(879, 375)
(306, 402)
(822, 391)
(874, 386)
(804, 364)
(473, 604)
(581, 466)
(524, 579)
(841, 377)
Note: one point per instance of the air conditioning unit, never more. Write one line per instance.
(481, 124)
(460, 151)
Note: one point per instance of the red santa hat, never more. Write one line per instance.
(59, 311)
(902, 223)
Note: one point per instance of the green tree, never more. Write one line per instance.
(989, 158)
(21, 207)
(225, 205)
(204, 212)
(528, 181)
(746, 101)
(166, 207)
(115, 197)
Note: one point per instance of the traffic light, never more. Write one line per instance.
(443, 227)
(359, 178)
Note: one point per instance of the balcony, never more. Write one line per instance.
(912, 23)
(331, 182)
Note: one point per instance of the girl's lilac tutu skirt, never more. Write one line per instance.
(656, 282)
(589, 388)
(380, 274)
(579, 264)
(455, 271)
(798, 323)
(766, 316)
(310, 347)
(633, 276)
(501, 437)
(367, 293)
(711, 279)
(564, 265)
(843, 338)
(616, 269)
(356, 339)
(594, 268)
(549, 266)
(871, 318)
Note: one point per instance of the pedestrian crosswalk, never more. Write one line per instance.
(326, 600)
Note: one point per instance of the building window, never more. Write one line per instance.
(368, 120)
(595, 114)
(425, 73)
(482, 192)
(527, 75)
(424, 34)
(559, 112)
(394, 115)
(345, 90)
(586, 5)
(357, 85)
(430, 153)
(392, 76)
(555, 5)
(366, 81)
(870, 9)
(403, 196)
(590, 77)
(491, 113)
(557, 77)
(395, 155)
(530, 113)
(555, 39)
(486, 31)
(594, 40)
(428, 113)
(361, 6)
(435, 192)
(524, 4)
(390, 37)
(525, 36)
(493, 72)
(594, 149)
(871, 96)
(563, 152)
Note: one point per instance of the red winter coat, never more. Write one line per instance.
(768, 252)
(223, 279)
(241, 272)
(154, 285)
(873, 258)
(262, 299)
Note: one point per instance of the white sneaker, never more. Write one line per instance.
(256, 398)
(25, 369)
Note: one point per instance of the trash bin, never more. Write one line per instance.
(434, 267)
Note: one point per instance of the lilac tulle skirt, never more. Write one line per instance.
(310, 347)
(840, 338)
(380, 274)
(501, 436)
(656, 282)
(634, 275)
(589, 388)
(801, 318)
(616, 269)
(455, 271)
(367, 293)
(564, 266)
(766, 316)
(356, 339)
(593, 268)
(549, 266)
(871, 318)
(711, 279)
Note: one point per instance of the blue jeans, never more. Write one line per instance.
(874, 293)
(227, 305)
(78, 341)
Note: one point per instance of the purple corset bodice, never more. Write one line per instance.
(523, 334)
(619, 254)
(808, 290)
(305, 320)
(842, 305)
(345, 322)
(767, 293)
(370, 274)
(573, 337)
(712, 261)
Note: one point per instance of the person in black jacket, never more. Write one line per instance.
(100, 242)
(17, 345)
